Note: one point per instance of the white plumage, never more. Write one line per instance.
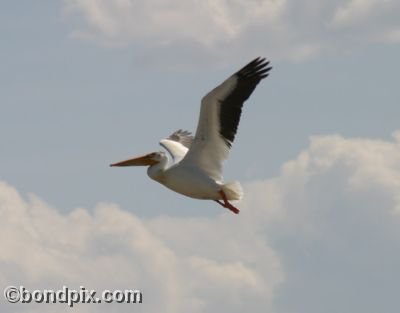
(194, 168)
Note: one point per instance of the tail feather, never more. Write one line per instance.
(233, 190)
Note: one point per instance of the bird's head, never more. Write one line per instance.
(148, 159)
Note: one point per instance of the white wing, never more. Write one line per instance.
(219, 118)
(177, 144)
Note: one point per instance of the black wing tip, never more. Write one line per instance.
(259, 61)
(258, 68)
(231, 107)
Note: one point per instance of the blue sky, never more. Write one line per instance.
(87, 83)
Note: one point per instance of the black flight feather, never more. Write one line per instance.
(231, 107)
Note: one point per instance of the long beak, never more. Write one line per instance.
(138, 161)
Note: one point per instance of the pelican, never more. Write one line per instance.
(194, 165)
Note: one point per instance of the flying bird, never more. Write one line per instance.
(194, 165)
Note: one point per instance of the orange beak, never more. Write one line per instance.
(138, 161)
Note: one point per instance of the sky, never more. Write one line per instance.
(85, 83)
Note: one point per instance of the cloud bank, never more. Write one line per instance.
(113, 249)
(294, 30)
(321, 236)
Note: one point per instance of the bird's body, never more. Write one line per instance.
(194, 168)
(190, 181)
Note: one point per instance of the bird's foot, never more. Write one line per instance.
(232, 208)
(226, 203)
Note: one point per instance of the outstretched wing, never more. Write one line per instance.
(220, 115)
(177, 144)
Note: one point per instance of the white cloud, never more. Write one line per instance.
(356, 11)
(282, 29)
(320, 236)
(206, 22)
(332, 166)
(113, 249)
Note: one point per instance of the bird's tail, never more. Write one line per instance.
(233, 190)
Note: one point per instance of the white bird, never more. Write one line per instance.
(194, 168)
